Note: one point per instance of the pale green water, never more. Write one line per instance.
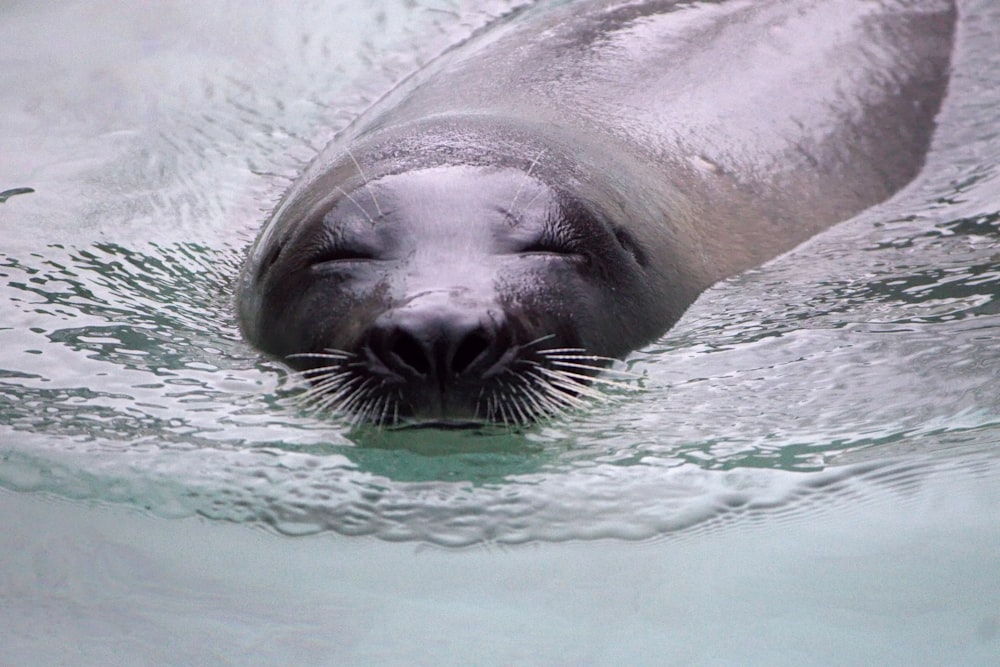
(813, 452)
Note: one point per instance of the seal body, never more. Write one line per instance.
(555, 192)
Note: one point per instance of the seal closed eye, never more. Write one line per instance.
(552, 194)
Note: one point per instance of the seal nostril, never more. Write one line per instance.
(408, 350)
(470, 349)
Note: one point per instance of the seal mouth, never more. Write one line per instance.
(440, 425)
(524, 386)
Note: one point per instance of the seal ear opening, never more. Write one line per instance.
(629, 245)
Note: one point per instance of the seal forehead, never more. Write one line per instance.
(463, 189)
(448, 205)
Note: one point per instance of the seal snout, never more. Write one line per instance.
(439, 340)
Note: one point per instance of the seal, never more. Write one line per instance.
(553, 193)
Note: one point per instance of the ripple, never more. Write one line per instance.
(845, 373)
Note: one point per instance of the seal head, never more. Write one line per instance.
(449, 293)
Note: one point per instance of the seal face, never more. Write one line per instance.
(410, 299)
(554, 193)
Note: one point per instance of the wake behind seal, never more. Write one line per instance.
(552, 194)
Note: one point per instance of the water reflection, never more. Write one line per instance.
(126, 379)
(850, 368)
(120, 343)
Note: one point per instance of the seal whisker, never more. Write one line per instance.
(320, 389)
(349, 406)
(387, 400)
(479, 401)
(489, 411)
(563, 392)
(602, 369)
(524, 414)
(533, 199)
(564, 350)
(356, 409)
(326, 402)
(560, 403)
(366, 413)
(536, 341)
(317, 376)
(578, 357)
(355, 202)
(329, 364)
(495, 412)
(326, 381)
(358, 412)
(514, 399)
(315, 371)
(320, 402)
(368, 185)
(503, 410)
(376, 411)
(556, 399)
(542, 405)
(363, 413)
(381, 406)
(511, 419)
(492, 411)
(525, 181)
(498, 404)
(563, 397)
(326, 354)
(309, 379)
(583, 380)
(568, 381)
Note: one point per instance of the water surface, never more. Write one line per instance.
(807, 466)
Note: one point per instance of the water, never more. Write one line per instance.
(807, 471)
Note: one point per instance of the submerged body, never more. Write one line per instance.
(555, 192)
